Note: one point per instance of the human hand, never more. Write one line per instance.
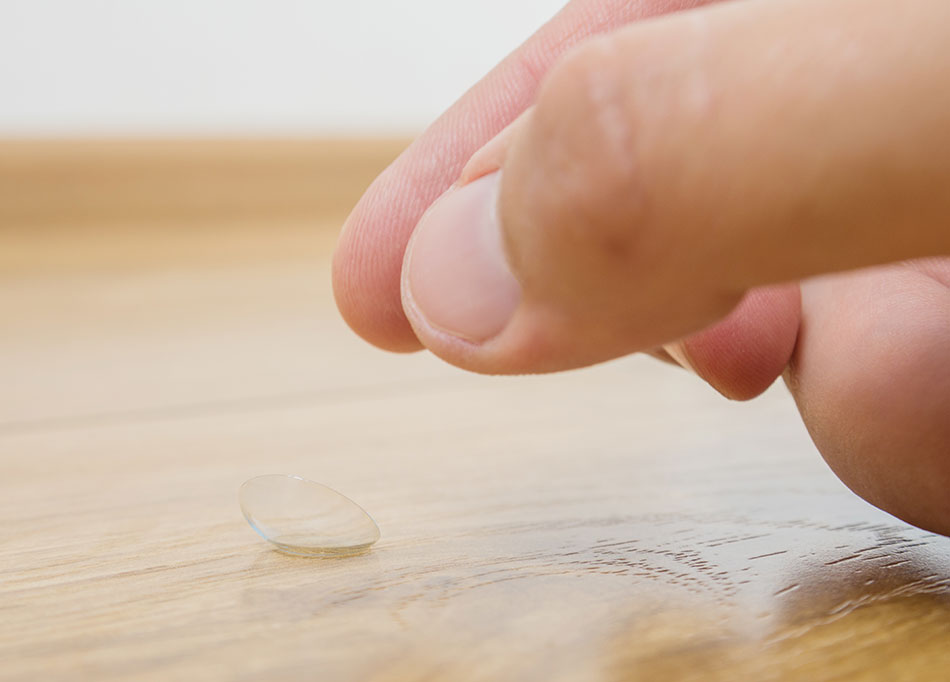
(659, 191)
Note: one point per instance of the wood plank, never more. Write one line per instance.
(617, 523)
(135, 182)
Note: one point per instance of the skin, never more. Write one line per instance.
(766, 183)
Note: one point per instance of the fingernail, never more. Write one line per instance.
(456, 274)
(678, 352)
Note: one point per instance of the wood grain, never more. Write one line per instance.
(618, 523)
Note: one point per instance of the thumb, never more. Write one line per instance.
(674, 165)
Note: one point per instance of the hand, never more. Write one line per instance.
(664, 189)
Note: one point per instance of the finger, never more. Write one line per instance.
(669, 167)
(369, 256)
(871, 376)
(662, 355)
(743, 354)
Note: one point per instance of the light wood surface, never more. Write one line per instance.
(81, 182)
(617, 523)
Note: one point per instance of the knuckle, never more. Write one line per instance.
(591, 125)
(602, 166)
(586, 190)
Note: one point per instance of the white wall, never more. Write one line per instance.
(247, 66)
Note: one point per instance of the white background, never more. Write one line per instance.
(247, 66)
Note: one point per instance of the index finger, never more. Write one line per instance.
(368, 260)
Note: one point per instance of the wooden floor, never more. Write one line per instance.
(618, 523)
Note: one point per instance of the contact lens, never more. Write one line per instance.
(302, 517)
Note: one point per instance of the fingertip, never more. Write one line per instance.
(364, 295)
(743, 354)
(873, 387)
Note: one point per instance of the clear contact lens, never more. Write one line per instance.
(302, 517)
